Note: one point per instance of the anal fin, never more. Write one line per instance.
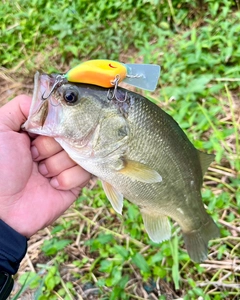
(115, 197)
(157, 226)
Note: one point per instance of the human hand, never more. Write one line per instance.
(38, 180)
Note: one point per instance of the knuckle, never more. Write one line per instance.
(52, 168)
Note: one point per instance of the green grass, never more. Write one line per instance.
(91, 251)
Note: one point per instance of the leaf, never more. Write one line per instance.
(175, 266)
(133, 212)
(51, 247)
(199, 84)
(124, 280)
(50, 283)
(140, 262)
(122, 251)
(106, 266)
(30, 279)
(104, 238)
(115, 277)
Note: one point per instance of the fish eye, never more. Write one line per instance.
(70, 96)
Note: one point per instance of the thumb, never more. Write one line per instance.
(15, 113)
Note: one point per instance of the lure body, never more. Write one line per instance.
(101, 72)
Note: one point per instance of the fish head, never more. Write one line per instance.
(71, 111)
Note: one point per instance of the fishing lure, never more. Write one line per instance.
(108, 73)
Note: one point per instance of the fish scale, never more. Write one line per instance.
(137, 150)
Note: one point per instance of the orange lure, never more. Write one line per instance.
(105, 73)
(101, 72)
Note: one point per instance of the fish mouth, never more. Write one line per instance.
(43, 113)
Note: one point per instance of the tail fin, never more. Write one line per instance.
(196, 241)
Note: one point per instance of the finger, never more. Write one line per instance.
(71, 178)
(15, 113)
(56, 164)
(44, 147)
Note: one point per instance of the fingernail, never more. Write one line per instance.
(54, 182)
(43, 169)
(34, 152)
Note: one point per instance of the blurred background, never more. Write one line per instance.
(91, 252)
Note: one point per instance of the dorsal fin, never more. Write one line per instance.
(205, 160)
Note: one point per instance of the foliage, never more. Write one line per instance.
(197, 44)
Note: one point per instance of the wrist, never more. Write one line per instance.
(17, 221)
(18, 227)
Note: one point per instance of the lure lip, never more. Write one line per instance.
(143, 76)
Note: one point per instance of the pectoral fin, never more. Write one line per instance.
(157, 226)
(115, 198)
(140, 172)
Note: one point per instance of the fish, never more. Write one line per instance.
(136, 149)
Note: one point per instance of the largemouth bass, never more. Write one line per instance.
(136, 149)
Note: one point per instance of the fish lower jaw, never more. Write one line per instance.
(39, 131)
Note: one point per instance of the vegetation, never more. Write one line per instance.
(91, 252)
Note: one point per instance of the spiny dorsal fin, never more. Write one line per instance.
(157, 226)
(140, 172)
(115, 198)
(205, 160)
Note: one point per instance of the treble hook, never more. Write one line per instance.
(111, 95)
(59, 79)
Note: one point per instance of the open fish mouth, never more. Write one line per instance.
(43, 114)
